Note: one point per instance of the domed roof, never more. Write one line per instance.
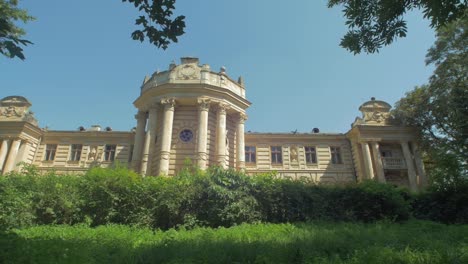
(15, 100)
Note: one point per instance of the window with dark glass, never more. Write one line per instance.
(311, 155)
(75, 153)
(250, 154)
(50, 152)
(109, 152)
(276, 155)
(336, 155)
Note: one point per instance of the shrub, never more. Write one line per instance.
(368, 201)
(214, 198)
(446, 205)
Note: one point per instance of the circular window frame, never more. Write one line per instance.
(188, 131)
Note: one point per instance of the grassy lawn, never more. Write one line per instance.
(321, 242)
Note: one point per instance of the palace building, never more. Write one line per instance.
(192, 112)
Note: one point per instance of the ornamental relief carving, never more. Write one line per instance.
(188, 72)
(11, 111)
(376, 116)
(293, 154)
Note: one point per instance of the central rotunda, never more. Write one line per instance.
(189, 112)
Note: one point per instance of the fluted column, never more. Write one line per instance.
(420, 167)
(240, 142)
(367, 161)
(149, 139)
(168, 120)
(10, 163)
(139, 139)
(203, 110)
(378, 162)
(4, 152)
(409, 165)
(221, 135)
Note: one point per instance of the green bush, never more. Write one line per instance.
(447, 204)
(214, 198)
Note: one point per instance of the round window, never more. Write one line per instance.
(186, 135)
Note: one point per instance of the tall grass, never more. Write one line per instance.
(318, 242)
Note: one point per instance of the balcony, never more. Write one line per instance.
(394, 163)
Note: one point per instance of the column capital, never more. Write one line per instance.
(242, 117)
(168, 103)
(203, 104)
(140, 115)
(222, 108)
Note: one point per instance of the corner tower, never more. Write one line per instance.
(189, 112)
(384, 150)
(19, 133)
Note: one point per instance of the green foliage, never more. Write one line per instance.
(317, 242)
(215, 198)
(157, 22)
(11, 40)
(439, 110)
(447, 205)
(376, 23)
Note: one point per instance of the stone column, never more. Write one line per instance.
(4, 152)
(409, 165)
(221, 135)
(10, 163)
(240, 142)
(420, 167)
(168, 120)
(149, 139)
(369, 170)
(23, 153)
(378, 162)
(203, 109)
(139, 140)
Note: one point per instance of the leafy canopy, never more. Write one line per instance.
(11, 41)
(376, 23)
(439, 109)
(157, 23)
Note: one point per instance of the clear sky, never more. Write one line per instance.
(84, 68)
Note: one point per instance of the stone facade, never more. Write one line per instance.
(192, 112)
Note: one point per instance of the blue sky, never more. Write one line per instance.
(84, 68)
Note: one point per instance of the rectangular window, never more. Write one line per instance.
(250, 154)
(75, 153)
(335, 153)
(311, 155)
(109, 152)
(276, 155)
(50, 152)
